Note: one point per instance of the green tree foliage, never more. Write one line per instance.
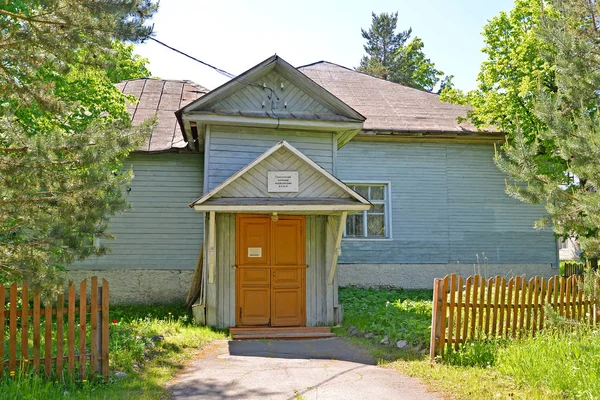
(391, 57)
(540, 85)
(64, 128)
(512, 73)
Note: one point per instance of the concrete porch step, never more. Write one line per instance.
(290, 333)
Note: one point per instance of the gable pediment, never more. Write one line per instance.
(312, 186)
(274, 89)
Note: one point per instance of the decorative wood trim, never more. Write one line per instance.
(240, 120)
(337, 250)
(281, 208)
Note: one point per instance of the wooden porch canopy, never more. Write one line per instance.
(313, 191)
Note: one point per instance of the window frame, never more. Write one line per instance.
(387, 213)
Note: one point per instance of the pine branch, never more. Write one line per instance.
(32, 19)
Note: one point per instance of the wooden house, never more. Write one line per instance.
(303, 179)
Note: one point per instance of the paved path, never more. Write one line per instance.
(305, 369)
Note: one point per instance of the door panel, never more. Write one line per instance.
(271, 271)
(288, 241)
(253, 244)
(287, 296)
(256, 306)
(254, 295)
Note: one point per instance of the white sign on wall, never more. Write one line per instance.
(254, 252)
(282, 181)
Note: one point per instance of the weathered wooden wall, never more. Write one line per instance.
(229, 149)
(448, 203)
(160, 231)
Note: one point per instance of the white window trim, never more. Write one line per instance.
(388, 211)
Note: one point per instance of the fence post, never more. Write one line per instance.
(99, 331)
(436, 319)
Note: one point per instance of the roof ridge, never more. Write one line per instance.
(364, 73)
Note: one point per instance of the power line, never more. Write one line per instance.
(219, 70)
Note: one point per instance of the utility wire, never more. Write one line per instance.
(219, 70)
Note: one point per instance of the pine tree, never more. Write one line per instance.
(559, 165)
(64, 128)
(390, 57)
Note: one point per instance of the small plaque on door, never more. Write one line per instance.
(254, 252)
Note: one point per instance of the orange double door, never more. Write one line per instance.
(271, 270)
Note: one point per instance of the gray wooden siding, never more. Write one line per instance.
(448, 204)
(160, 231)
(231, 149)
(316, 273)
(221, 297)
(225, 273)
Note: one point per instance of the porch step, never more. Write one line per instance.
(292, 333)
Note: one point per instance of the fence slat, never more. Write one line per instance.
(24, 321)
(509, 306)
(481, 303)
(561, 304)
(496, 311)
(474, 306)
(60, 335)
(36, 329)
(48, 339)
(2, 326)
(94, 325)
(515, 323)
(12, 339)
(530, 288)
(452, 293)
(444, 315)
(502, 293)
(71, 330)
(579, 297)
(105, 321)
(459, 312)
(488, 306)
(436, 322)
(469, 283)
(542, 298)
(568, 298)
(522, 304)
(82, 331)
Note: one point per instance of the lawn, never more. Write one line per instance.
(562, 363)
(148, 345)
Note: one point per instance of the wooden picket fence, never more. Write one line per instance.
(573, 268)
(87, 356)
(464, 309)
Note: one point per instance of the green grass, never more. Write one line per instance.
(398, 314)
(148, 364)
(563, 363)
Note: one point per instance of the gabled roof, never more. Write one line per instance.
(323, 105)
(388, 106)
(333, 193)
(162, 98)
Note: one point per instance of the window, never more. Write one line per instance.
(374, 223)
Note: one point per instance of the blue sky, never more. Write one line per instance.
(235, 35)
